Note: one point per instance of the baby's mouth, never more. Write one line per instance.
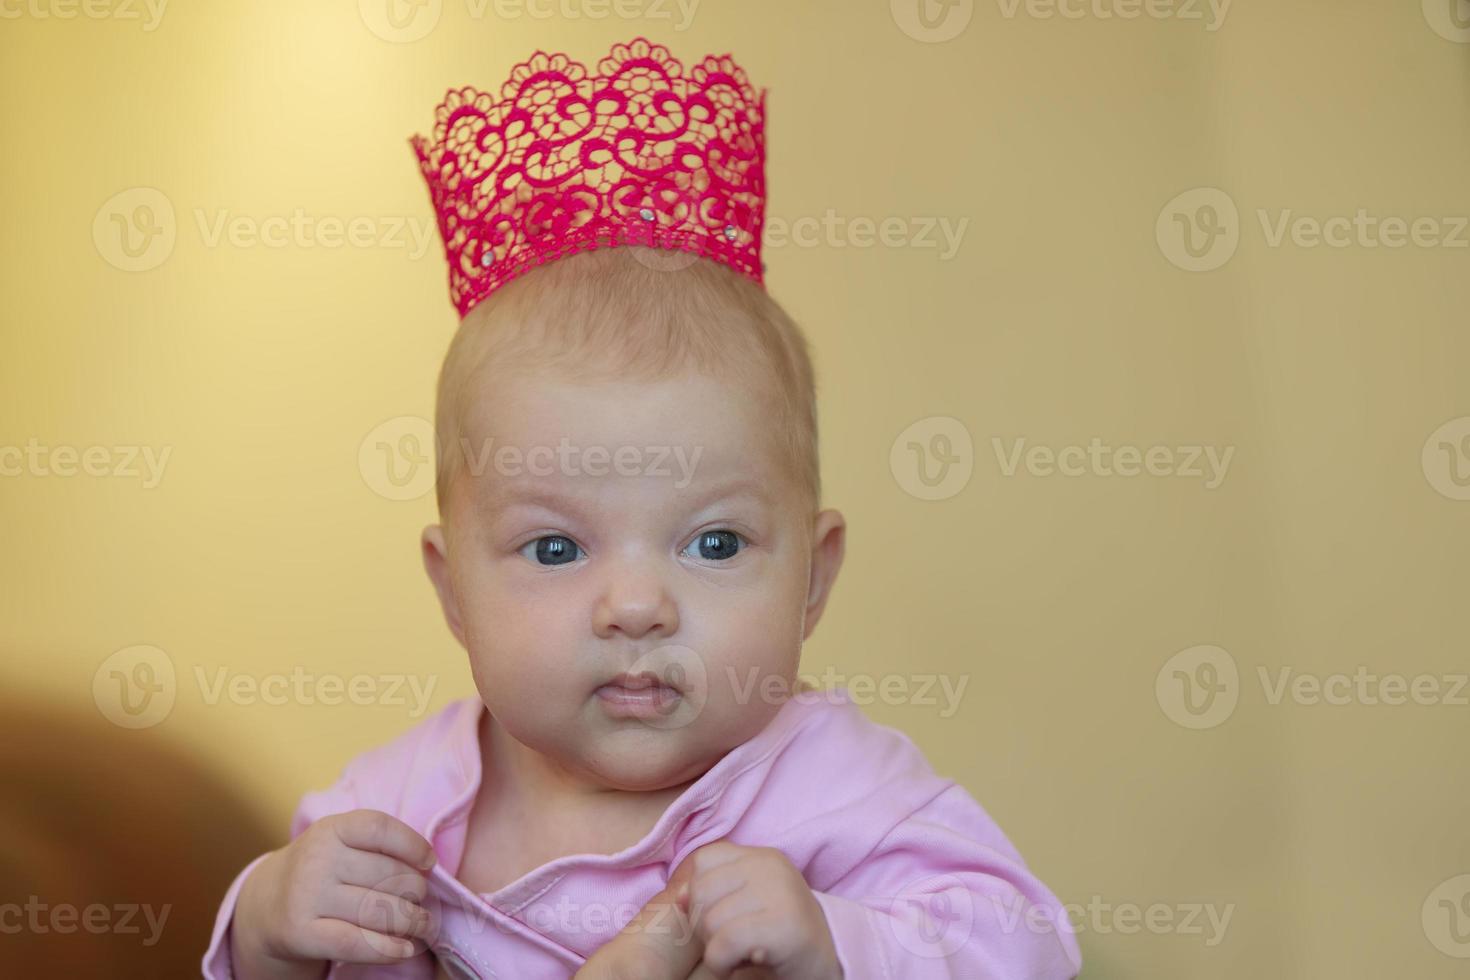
(639, 695)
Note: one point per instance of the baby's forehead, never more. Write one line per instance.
(585, 483)
(688, 408)
(674, 439)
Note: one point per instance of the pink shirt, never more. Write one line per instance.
(915, 879)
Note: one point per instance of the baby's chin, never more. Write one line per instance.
(637, 755)
(637, 759)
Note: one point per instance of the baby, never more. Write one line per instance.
(631, 551)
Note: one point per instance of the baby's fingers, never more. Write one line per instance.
(745, 939)
(382, 873)
(702, 972)
(373, 830)
(379, 911)
(658, 943)
(347, 942)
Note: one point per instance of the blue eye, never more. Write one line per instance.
(553, 549)
(716, 545)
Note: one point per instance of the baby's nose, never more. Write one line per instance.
(636, 602)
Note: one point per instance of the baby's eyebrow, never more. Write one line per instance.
(530, 495)
(534, 494)
(741, 486)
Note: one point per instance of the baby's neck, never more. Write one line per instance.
(529, 812)
(518, 779)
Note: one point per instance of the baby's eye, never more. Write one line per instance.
(715, 545)
(553, 549)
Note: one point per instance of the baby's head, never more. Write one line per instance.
(629, 482)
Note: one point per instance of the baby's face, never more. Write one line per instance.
(601, 529)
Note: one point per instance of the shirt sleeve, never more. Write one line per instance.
(217, 965)
(944, 896)
(338, 798)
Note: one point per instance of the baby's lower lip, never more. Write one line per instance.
(643, 702)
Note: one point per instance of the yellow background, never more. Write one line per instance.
(1061, 318)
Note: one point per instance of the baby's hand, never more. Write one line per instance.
(751, 905)
(348, 888)
(659, 943)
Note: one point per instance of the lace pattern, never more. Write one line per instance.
(636, 151)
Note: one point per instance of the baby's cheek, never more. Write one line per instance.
(756, 669)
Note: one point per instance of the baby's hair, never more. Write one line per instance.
(634, 314)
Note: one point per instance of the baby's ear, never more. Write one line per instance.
(436, 563)
(829, 541)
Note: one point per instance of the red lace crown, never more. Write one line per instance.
(637, 152)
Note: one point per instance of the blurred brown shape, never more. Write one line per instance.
(103, 826)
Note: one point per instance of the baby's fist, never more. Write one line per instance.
(749, 905)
